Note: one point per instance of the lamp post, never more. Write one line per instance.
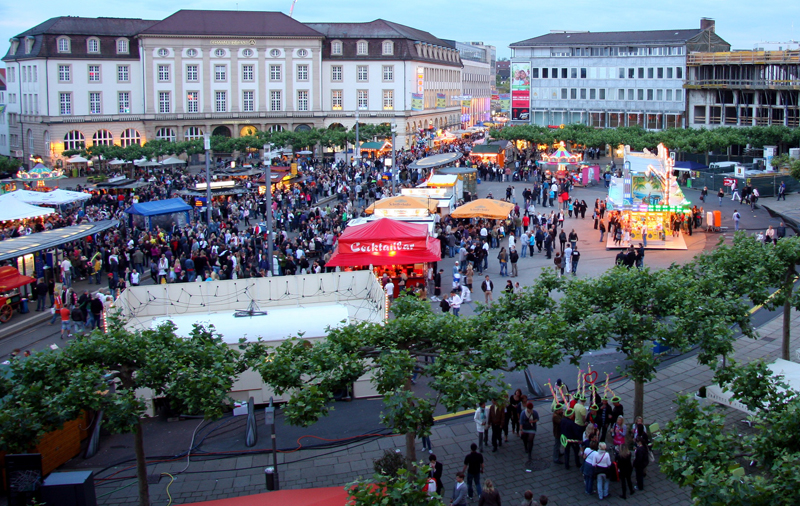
(357, 150)
(272, 473)
(207, 147)
(268, 197)
(394, 132)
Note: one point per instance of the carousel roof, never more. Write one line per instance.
(561, 155)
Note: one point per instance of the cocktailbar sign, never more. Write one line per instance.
(381, 246)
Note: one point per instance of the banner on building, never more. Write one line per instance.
(466, 103)
(521, 91)
(441, 101)
(505, 102)
(417, 102)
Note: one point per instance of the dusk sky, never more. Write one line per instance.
(741, 23)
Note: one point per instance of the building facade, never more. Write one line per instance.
(4, 148)
(77, 82)
(477, 81)
(606, 79)
(743, 88)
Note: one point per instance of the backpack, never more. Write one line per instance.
(444, 305)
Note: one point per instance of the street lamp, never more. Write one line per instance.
(272, 473)
(394, 132)
(357, 150)
(207, 147)
(268, 197)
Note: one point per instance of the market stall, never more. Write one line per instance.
(12, 208)
(388, 246)
(162, 213)
(402, 206)
(375, 149)
(484, 208)
(57, 197)
(648, 198)
(488, 153)
(10, 298)
(561, 164)
(468, 177)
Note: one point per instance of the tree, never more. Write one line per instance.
(464, 355)
(765, 274)
(9, 164)
(405, 489)
(699, 451)
(194, 373)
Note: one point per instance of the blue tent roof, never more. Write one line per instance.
(157, 207)
(690, 165)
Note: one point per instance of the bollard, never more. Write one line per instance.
(269, 474)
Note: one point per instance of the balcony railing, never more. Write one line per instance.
(743, 58)
(742, 83)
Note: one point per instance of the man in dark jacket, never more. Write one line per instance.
(496, 420)
(96, 308)
(41, 294)
(640, 461)
(572, 432)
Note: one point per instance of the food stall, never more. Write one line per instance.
(647, 195)
(444, 189)
(402, 206)
(375, 149)
(10, 298)
(488, 153)
(561, 164)
(467, 176)
(484, 208)
(387, 246)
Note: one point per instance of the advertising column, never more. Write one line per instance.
(521, 91)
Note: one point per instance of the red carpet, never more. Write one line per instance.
(330, 496)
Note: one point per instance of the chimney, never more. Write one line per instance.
(707, 24)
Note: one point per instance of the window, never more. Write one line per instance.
(122, 46)
(163, 73)
(129, 137)
(63, 73)
(362, 73)
(302, 100)
(563, 93)
(74, 140)
(362, 99)
(388, 47)
(302, 53)
(669, 72)
(193, 133)
(583, 73)
(220, 73)
(274, 72)
(362, 48)
(554, 74)
(94, 103)
(669, 95)
(621, 74)
(63, 45)
(388, 72)
(535, 73)
(336, 47)
(388, 100)
(65, 103)
(631, 73)
(248, 102)
(102, 138)
(302, 72)
(191, 53)
(163, 102)
(640, 94)
(275, 103)
(659, 95)
(602, 93)
(650, 72)
(583, 93)
(336, 100)
(679, 95)
(592, 94)
(336, 73)
(124, 102)
(564, 73)
(220, 101)
(219, 53)
(620, 94)
(94, 73)
(544, 73)
(640, 73)
(679, 72)
(247, 53)
(166, 134)
(275, 53)
(191, 72)
(123, 73)
(630, 94)
(247, 72)
(93, 46)
(649, 95)
(191, 102)
(660, 72)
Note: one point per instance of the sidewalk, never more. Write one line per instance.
(244, 475)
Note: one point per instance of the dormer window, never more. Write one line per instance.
(63, 45)
(362, 48)
(93, 45)
(388, 47)
(122, 46)
(336, 47)
(29, 44)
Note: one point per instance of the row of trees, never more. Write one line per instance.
(308, 139)
(687, 140)
(700, 305)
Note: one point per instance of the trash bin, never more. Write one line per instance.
(269, 473)
(479, 180)
(23, 306)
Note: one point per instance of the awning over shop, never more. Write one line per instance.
(401, 203)
(54, 198)
(376, 146)
(19, 246)
(486, 149)
(385, 242)
(10, 278)
(12, 208)
(484, 208)
(156, 207)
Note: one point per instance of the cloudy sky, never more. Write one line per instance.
(740, 22)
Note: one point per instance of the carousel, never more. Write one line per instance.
(38, 176)
(562, 165)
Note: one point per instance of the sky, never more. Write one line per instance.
(740, 22)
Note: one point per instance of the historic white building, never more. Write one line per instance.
(83, 81)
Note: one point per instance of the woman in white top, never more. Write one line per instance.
(602, 463)
(163, 265)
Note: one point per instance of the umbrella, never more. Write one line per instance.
(403, 202)
(147, 163)
(304, 153)
(117, 161)
(484, 208)
(77, 159)
(173, 161)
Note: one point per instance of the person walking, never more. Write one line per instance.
(502, 256)
(473, 467)
(490, 496)
(455, 302)
(41, 295)
(557, 262)
(602, 230)
(481, 419)
(602, 462)
(527, 422)
(562, 239)
(735, 191)
(459, 497)
(721, 195)
(513, 257)
(496, 420)
(736, 218)
(558, 414)
(566, 258)
(625, 468)
(487, 286)
(782, 191)
(640, 461)
(576, 257)
(436, 473)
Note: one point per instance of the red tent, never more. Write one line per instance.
(385, 242)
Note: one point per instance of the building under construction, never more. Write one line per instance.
(743, 88)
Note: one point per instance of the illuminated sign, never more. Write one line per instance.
(420, 79)
(380, 247)
(216, 185)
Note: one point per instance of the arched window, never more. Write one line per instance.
(103, 138)
(166, 134)
(336, 47)
(31, 147)
(129, 137)
(362, 48)
(74, 140)
(47, 140)
(275, 128)
(193, 133)
(63, 45)
(93, 45)
(122, 46)
(388, 47)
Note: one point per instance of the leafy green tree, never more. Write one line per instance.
(699, 451)
(405, 489)
(464, 355)
(9, 164)
(195, 373)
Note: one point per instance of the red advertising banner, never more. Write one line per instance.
(383, 246)
(728, 181)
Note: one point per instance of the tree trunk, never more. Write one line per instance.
(638, 399)
(788, 287)
(411, 451)
(141, 466)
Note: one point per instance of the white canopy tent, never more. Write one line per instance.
(173, 161)
(117, 161)
(77, 159)
(791, 376)
(146, 163)
(54, 198)
(13, 209)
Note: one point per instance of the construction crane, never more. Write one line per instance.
(291, 10)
